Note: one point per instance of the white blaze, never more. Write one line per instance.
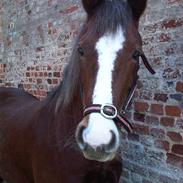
(98, 130)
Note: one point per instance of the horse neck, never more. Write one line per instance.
(66, 121)
(74, 109)
(67, 116)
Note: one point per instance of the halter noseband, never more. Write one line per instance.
(109, 111)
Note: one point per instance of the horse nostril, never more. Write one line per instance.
(112, 144)
(79, 137)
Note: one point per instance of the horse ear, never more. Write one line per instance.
(89, 5)
(138, 7)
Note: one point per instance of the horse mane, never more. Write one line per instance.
(70, 80)
(106, 17)
(64, 93)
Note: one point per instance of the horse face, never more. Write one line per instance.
(108, 70)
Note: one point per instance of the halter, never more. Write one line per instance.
(109, 111)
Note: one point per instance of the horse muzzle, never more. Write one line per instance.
(99, 152)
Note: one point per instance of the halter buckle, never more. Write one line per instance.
(109, 111)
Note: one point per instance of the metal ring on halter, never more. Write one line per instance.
(113, 110)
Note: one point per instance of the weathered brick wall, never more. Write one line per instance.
(1, 47)
(37, 37)
(154, 153)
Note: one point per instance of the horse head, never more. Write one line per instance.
(109, 48)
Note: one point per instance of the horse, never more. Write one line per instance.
(73, 135)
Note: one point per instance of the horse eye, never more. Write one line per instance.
(136, 55)
(81, 51)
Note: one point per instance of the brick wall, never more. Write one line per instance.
(154, 153)
(37, 37)
(1, 47)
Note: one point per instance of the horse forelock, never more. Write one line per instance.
(108, 16)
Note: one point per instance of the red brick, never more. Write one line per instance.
(31, 74)
(69, 10)
(170, 51)
(35, 74)
(177, 149)
(40, 74)
(175, 136)
(55, 81)
(141, 129)
(27, 74)
(158, 133)
(141, 107)
(166, 179)
(139, 117)
(167, 121)
(160, 97)
(28, 68)
(164, 37)
(49, 81)
(179, 87)
(173, 23)
(56, 74)
(32, 68)
(152, 120)
(45, 74)
(173, 2)
(175, 160)
(173, 111)
(162, 144)
(49, 68)
(170, 73)
(156, 109)
(146, 95)
(44, 93)
(39, 81)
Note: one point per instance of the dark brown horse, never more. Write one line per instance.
(51, 141)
